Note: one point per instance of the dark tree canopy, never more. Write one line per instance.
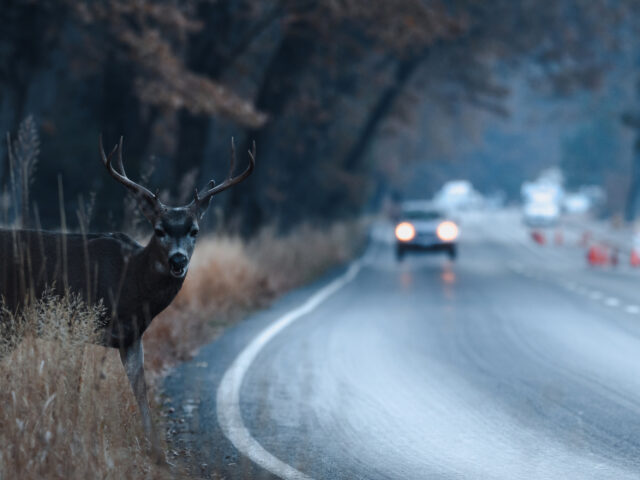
(315, 83)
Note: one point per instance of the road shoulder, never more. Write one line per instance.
(189, 393)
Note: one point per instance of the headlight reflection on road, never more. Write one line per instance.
(448, 276)
(406, 279)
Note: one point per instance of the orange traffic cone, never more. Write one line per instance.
(634, 261)
(538, 237)
(597, 255)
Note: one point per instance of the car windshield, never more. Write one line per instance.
(422, 215)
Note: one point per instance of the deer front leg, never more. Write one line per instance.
(133, 360)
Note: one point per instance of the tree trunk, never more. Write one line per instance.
(120, 113)
(280, 84)
(381, 110)
(206, 58)
(212, 55)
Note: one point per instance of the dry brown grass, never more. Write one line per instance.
(67, 409)
(229, 277)
(305, 253)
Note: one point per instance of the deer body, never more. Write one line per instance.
(110, 267)
(135, 283)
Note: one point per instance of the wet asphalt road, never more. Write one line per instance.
(517, 361)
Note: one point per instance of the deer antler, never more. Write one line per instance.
(231, 180)
(121, 176)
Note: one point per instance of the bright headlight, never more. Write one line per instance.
(447, 231)
(405, 232)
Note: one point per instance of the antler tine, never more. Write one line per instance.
(106, 159)
(232, 165)
(230, 180)
(120, 164)
(210, 185)
(252, 153)
(122, 177)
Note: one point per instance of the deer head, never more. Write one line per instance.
(175, 229)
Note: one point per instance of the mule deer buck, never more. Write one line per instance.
(135, 282)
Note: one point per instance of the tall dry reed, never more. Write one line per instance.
(67, 411)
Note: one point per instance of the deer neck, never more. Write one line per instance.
(145, 292)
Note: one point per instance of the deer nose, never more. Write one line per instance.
(178, 261)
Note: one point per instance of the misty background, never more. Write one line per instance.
(348, 101)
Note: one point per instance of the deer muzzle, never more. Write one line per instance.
(178, 263)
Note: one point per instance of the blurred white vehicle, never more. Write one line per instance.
(541, 214)
(576, 203)
(458, 195)
(540, 192)
(543, 199)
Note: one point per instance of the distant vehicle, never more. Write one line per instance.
(458, 195)
(542, 192)
(541, 214)
(587, 199)
(542, 202)
(425, 228)
(577, 203)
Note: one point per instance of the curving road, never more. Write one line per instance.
(517, 361)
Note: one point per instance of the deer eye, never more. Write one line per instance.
(194, 232)
(160, 233)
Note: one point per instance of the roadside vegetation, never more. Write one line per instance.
(67, 408)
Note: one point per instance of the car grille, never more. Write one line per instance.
(426, 237)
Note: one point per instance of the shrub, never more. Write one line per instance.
(67, 408)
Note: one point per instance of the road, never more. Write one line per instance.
(518, 361)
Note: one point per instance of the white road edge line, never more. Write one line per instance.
(632, 309)
(612, 302)
(228, 395)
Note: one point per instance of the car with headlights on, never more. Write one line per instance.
(425, 228)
